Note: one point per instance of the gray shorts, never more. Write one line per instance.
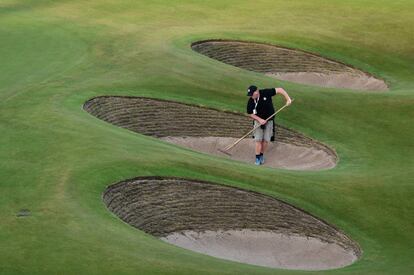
(263, 134)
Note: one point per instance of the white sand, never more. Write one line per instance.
(278, 155)
(265, 249)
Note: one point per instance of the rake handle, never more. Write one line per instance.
(254, 128)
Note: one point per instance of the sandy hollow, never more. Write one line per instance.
(265, 248)
(344, 80)
(278, 154)
(230, 223)
(289, 64)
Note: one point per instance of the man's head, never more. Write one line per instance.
(253, 92)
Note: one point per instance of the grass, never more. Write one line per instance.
(56, 159)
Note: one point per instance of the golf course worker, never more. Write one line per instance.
(260, 107)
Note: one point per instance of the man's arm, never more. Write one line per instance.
(285, 94)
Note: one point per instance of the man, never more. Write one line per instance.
(260, 107)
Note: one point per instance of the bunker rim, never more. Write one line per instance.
(218, 220)
(206, 130)
(289, 64)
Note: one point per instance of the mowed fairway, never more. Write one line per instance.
(56, 159)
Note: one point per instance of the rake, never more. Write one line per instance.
(226, 149)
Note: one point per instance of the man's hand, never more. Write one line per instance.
(288, 101)
(262, 121)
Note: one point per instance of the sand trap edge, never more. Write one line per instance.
(301, 138)
(199, 42)
(354, 246)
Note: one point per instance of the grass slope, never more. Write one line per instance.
(56, 159)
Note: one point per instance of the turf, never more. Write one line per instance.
(56, 159)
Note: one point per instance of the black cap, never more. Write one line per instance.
(251, 90)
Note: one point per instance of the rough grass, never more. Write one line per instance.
(56, 159)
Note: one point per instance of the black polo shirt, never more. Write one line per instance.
(264, 106)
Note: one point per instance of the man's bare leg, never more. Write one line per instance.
(258, 147)
(263, 146)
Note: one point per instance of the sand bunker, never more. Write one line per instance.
(230, 223)
(205, 129)
(265, 248)
(288, 64)
(278, 154)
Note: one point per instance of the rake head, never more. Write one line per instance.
(224, 151)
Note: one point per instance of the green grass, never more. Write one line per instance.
(56, 159)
